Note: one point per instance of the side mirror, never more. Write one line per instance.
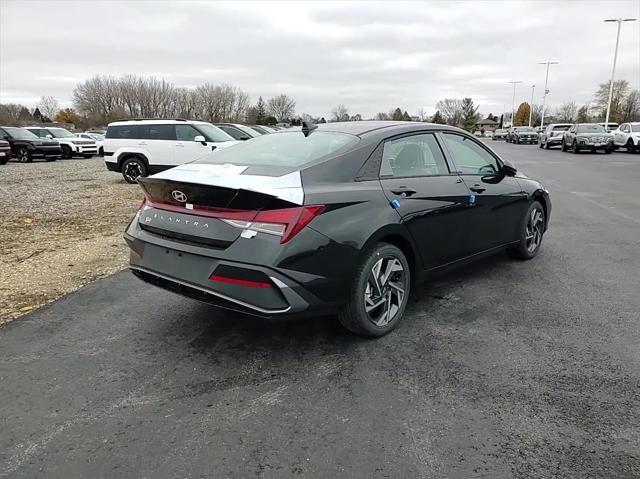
(245, 138)
(49, 136)
(200, 139)
(508, 169)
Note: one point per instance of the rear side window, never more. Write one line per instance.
(123, 132)
(38, 132)
(416, 155)
(157, 132)
(560, 128)
(290, 149)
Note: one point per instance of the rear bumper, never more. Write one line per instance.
(182, 269)
(112, 166)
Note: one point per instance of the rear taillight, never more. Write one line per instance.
(285, 223)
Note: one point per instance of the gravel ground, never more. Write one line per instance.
(62, 225)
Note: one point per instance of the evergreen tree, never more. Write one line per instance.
(261, 111)
(37, 116)
(470, 114)
(322, 120)
(397, 115)
(437, 118)
(405, 116)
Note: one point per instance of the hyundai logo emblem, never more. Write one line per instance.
(179, 196)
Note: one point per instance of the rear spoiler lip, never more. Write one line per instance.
(287, 187)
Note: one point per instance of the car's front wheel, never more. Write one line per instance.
(575, 147)
(630, 146)
(24, 155)
(379, 293)
(531, 232)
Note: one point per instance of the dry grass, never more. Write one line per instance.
(61, 227)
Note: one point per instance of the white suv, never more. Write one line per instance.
(142, 147)
(71, 145)
(628, 135)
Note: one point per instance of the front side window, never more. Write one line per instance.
(38, 132)
(417, 155)
(212, 133)
(470, 157)
(186, 133)
(233, 132)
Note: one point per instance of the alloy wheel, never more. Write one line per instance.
(534, 230)
(132, 171)
(23, 155)
(385, 290)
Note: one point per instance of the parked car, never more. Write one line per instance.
(343, 217)
(499, 134)
(587, 136)
(553, 134)
(524, 134)
(71, 145)
(237, 131)
(628, 136)
(97, 137)
(263, 130)
(138, 148)
(5, 152)
(25, 146)
(610, 126)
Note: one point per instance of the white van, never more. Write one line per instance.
(143, 147)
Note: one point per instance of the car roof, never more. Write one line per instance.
(360, 128)
(156, 122)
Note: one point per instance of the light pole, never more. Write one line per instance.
(533, 87)
(513, 103)
(615, 57)
(546, 90)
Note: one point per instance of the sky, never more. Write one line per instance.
(369, 56)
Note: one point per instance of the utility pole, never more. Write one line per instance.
(546, 90)
(533, 87)
(513, 103)
(615, 57)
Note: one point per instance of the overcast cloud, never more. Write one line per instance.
(368, 56)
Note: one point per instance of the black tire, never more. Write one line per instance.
(354, 316)
(133, 168)
(525, 249)
(87, 156)
(630, 146)
(66, 152)
(540, 145)
(546, 146)
(608, 151)
(3, 160)
(575, 148)
(517, 141)
(23, 155)
(564, 146)
(101, 151)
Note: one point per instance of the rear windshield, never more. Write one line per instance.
(291, 149)
(635, 127)
(560, 128)
(525, 129)
(591, 129)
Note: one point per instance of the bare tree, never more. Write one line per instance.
(631, 107)
(422, 114)
(567, 112)
(282, 107)
(339, 113)
(451, 111)
(620, 90)
(382, 116)
(48, 106)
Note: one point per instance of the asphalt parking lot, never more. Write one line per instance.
(503, 369)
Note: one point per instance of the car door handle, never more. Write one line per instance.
(477, 189)
(142, 143)
(404, 191)
(180, 145)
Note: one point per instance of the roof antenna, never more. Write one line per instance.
(308, 127)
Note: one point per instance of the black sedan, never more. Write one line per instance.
(341, 217)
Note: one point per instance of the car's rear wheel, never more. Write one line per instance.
(24, 155)
(379, 293)
(532, 231)
(133, 168)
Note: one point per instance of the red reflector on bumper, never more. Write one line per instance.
(241, 282)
